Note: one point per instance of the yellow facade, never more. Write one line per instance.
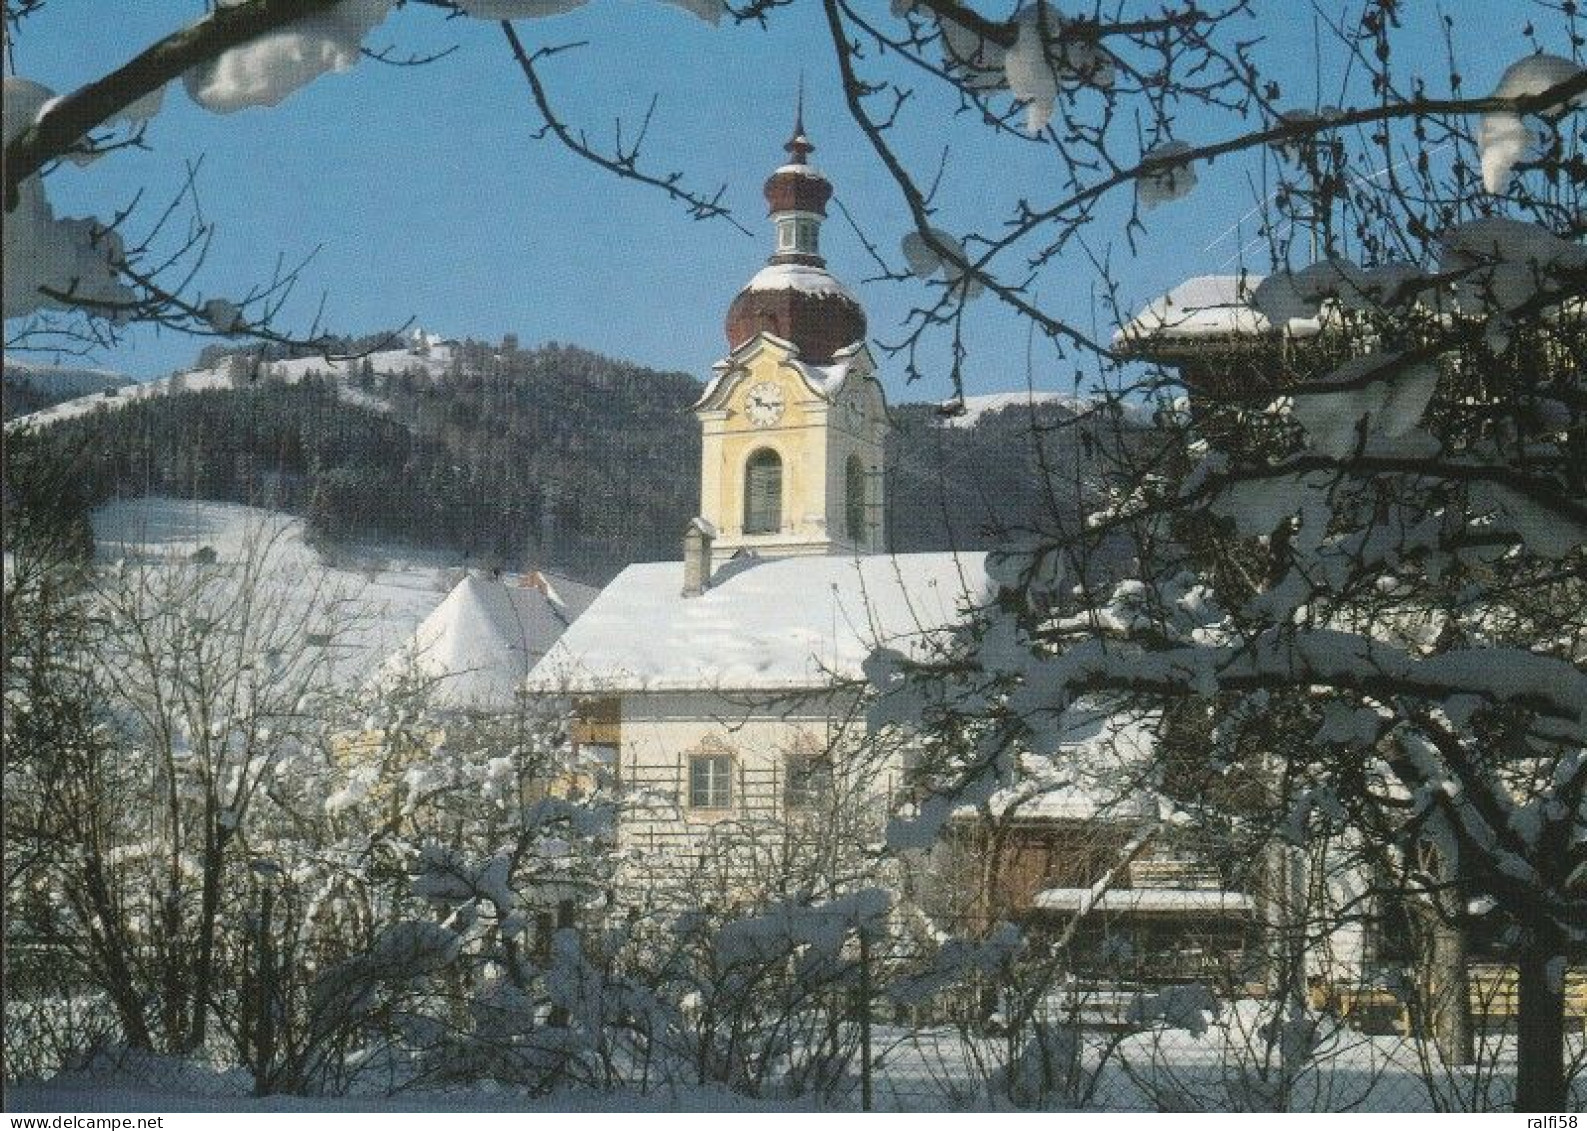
(825, 431)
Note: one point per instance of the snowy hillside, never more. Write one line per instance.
(969, 411)
(31, 386)
(388, 594)
(424, 353)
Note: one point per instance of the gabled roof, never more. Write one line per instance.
(785, 624)
(487, 634)
(825, 381)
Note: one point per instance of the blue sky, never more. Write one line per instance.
(429, 197)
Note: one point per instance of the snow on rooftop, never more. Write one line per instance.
(1206, 306)
(803, 170)
(481, 641)
(1143, 900)
(825, 379)
(782, 624)
(798, 277)
(829, 378)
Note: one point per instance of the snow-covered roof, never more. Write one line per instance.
(484, 637)
(829, 378)
(778, 625)
(802, 169)
(1143, 900)
(1207, 306)
(798, 277)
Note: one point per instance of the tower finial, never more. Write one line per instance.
(799, 147)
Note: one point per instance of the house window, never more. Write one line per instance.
(808, 781)
(763, 493)
(907, 784)
(711, 781)
(854, 498)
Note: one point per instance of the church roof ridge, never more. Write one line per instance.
(791, 623)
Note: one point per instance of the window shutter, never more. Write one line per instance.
(763, 494)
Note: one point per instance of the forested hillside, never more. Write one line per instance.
(27, 386)
(552, 456)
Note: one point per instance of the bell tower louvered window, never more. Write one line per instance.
(854, 498)
(763, 493)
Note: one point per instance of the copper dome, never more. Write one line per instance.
(801, 304)
(797, 188)
(795, 297)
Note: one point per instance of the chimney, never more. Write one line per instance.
(697, 539)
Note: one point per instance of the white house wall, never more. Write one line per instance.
(660, 732)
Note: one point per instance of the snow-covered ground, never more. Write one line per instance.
(426, 356)
(1220, 1063)
(389, 591)
(137, 1088)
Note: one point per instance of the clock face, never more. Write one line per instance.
(763, 404)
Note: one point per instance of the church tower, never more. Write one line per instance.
(793, 424)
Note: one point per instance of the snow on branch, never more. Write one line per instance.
(69, 118)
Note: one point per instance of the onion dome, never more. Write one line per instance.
(797, 186)
(794, 296)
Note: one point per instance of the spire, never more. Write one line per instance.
(799, 147)
(794, 297)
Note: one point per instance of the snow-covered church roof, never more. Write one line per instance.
(784, 624)
(482, 640)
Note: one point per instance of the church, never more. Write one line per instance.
(722, 690)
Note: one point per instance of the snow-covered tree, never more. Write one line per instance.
(1358, 536)
(165, 705)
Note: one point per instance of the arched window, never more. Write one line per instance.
(763, 493)
(854, 498)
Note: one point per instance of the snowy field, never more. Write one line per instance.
(966, 412)
(388, 592)
(65, 380)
